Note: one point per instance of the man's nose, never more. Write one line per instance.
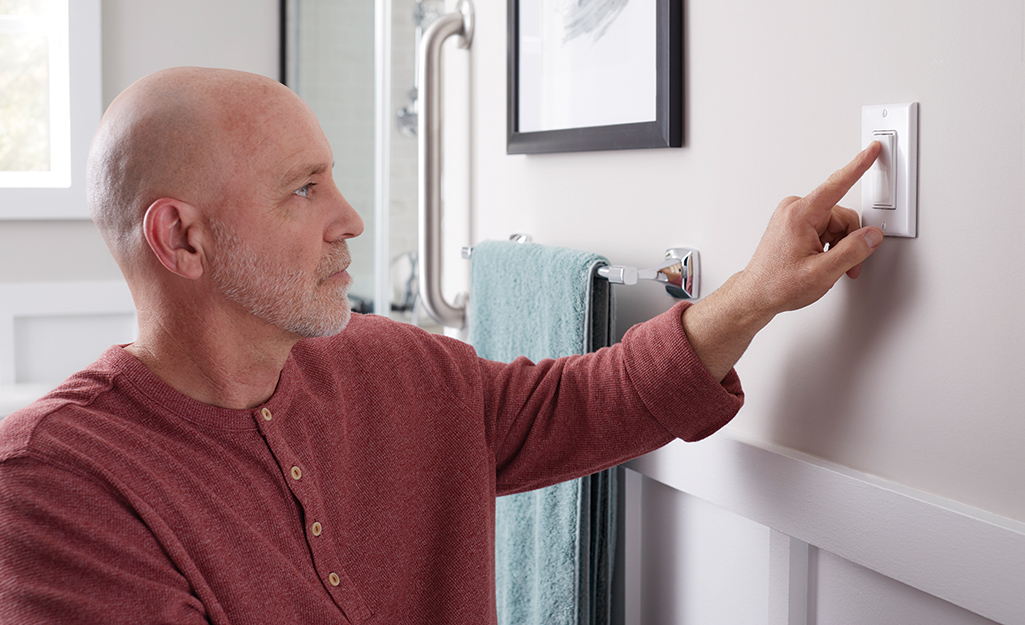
(345, 222)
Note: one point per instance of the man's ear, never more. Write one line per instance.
(172, 229)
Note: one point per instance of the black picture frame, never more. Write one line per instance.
(665, 131)
(283, 41)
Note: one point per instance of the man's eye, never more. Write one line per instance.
(304, 191)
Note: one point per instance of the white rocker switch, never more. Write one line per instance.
(883, 174)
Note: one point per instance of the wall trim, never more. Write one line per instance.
(47, 299)
(967, 556)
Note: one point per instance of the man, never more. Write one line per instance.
(247, 461)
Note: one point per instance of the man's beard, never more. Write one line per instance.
(298, 303)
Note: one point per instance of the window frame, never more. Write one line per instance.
(43, 203)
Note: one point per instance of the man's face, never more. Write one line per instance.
(291, 298)
(280, 253)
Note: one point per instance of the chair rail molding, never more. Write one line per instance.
(966, 556)
(85, 318)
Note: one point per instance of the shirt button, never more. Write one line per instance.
(266, 414)
(334, 579)
(296, 473)
(317, 529)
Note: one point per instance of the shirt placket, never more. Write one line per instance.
(320, 535)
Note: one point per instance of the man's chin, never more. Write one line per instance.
(328, 324)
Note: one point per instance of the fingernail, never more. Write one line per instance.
(873, 238)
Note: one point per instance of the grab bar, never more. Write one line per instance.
(429, 166)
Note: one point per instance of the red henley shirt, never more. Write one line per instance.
(361, 492)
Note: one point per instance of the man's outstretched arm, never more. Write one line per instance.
(790, 269)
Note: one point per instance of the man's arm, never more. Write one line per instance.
(790, 269)
(70, 552)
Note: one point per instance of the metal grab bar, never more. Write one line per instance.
(429, 166)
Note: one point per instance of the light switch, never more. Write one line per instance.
(889, 190)
(883, 175)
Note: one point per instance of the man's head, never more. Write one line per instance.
(215, 186)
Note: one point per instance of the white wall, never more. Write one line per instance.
(140, 38)
(910, 372)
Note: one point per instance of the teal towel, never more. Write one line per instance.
(554, 547)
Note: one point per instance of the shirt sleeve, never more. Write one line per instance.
(71, 553)
(559, 419)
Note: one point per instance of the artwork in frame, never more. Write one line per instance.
(594, 75)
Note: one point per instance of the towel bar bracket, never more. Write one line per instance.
(679, 272)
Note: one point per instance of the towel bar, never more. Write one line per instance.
(679, 271)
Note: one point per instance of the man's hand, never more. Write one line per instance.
(790, 269)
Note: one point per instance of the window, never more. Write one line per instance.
(35, 139)
(49, 105)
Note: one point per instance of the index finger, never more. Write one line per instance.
(829, 193)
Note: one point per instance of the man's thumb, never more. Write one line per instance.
(852, 250)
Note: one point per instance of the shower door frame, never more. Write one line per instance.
(382, 132)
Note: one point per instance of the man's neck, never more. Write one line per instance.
(228, 367)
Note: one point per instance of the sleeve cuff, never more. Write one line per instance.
(673, 383)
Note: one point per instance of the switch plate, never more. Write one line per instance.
(880, 123)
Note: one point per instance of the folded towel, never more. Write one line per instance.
(554, 547)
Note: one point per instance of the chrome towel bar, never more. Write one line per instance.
(680, 271)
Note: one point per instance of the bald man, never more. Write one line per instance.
(248, 461)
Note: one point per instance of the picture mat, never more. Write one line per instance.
(589, 80)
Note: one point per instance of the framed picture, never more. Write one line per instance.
(594, 75)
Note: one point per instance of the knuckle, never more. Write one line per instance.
(788, 202)
(788, 208)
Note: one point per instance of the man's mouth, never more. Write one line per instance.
(339, 264)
